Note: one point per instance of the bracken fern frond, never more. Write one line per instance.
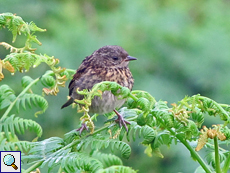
(11, 124)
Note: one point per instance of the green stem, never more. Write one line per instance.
(223, 105)
(33, 167)
(13, 103)
(217, 156)
(60, 170)
(195, 154)
(226, 164)
(192, 151)
(94, 117)
(133, 97)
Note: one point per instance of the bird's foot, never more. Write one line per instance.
(121, 121)
(83, 127)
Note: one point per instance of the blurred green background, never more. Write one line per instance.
(183, 48)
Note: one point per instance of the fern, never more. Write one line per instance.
(26, 80)
(210, 157)
(162, 138)
(107, 159)
(98, 142)
(26, 60)
(75, 161)
(154, 122)
(6, 96)
(80, 161)
(47, 146)
(51, 159)
(36, 99)
(198, 117)
(17, 26)
(117, 169)
(11, 124)
(48, 80)
(52, 153)
(146, 132)
(23, 146)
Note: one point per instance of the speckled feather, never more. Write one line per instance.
(108, 63)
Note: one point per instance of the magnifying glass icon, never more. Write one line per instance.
(9, 160)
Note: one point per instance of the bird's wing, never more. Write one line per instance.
(85, 79)
(79, 74)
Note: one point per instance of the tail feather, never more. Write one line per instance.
(69, 102)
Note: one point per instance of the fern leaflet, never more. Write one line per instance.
(23, 146)
(107, 159)
(11, 124)
(6, 96)
(37, 100)
(99, 142)
(116, 169)
(146, 132)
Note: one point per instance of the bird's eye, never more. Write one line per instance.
(115, 58)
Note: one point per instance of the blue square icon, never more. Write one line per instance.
(10, 161)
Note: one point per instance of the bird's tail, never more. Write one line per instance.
(69, 102)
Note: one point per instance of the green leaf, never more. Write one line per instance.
(23, 146)
(6, 96)
(146, 132)
(162, 138)
(36, 99)
(47, 146)
(98, 143)
(116, 169)
(26, 80)
(48, 80)
(107, 159)
(33, 27)
(11, 124)
(16, 25)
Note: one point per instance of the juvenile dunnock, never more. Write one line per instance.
(109, 63)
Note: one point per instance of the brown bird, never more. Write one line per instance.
(109, 63)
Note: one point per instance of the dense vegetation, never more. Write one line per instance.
(182, 49)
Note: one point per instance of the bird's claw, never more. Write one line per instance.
(121, 121)
(83, 127)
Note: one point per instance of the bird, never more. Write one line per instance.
(108, 63)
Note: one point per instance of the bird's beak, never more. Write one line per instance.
(130, 58)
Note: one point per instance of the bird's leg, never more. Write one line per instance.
(83, 127)
(86, 122)
(121, 120)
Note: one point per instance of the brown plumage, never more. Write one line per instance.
(109, 63)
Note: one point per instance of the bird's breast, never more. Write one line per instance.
(122, 76)
(106, 104)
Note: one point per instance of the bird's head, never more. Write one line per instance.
(111, 56)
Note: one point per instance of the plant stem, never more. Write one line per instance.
(34, 166)
(133, 97)
(13, 103)
(217, 156)
(192, 151)
(226, 164)
(195, 154)
(60, 170)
